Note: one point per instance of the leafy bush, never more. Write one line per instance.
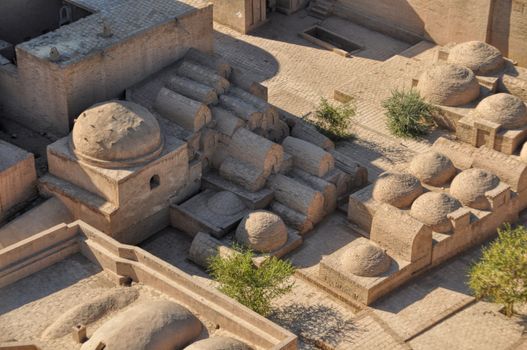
(501, 274)
(334, 121)
(408, 114)
(254, 287)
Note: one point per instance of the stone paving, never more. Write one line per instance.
(434, 311)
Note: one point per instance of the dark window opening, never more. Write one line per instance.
(154, 182)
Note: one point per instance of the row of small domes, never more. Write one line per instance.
(455, 84)
(403, 190)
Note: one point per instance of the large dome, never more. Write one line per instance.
(116, 134)
(262, 231)
(432, 168)
(448, 85)
(469, 187)
(363, 258)
(397, 189)
(478, 56)
(505, 109)
(432, 209)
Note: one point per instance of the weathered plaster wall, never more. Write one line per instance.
(441, 21)
(47, 97)
(107, 74)
(503, 23)
(241, 15)
(509, 29)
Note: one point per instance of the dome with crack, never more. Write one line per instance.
(262, 231)
(507, 110)
(470, 186)
(477, 56)
(218, 343)
(363, 258)
(432, 168)
(448, 85)
(116, 134)
(432, 209)
(225, 203)
(397, 189)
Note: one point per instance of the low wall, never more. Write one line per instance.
(42, 250)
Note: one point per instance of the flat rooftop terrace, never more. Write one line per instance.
(125, 18)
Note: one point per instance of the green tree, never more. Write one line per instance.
(409, 116)
(254, 287)
(501, 274)
(334, 121)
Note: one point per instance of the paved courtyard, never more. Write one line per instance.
(436, 310)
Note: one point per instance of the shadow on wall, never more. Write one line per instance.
(260, 64)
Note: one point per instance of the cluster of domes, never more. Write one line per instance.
(432, 209)
(470, 186)
(448, 85)
(225, 203)
(366, 259)
(397, 189)
(477, 56)
(262, 231)
(507, 110)
(432, 168)
(116, 134)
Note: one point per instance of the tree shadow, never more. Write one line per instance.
(314, 324)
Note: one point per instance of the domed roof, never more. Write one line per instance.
(432, 168)
(448, 85)
(397, 189)
(159, 324)
(469, 187)
(262, 231)
(505, 109)
(218, 343)
(116, 134)
(478, 56)
(363, 258)
(225, 203)
(432, 209)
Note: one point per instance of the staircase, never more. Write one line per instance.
(321, 8)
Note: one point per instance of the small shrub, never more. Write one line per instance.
(254, 287)
(409, 116)
(334, 121)
(501, 274)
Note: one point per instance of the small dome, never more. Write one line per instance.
(469, 187)
(505, 109)
(523, 153)
(432, 209)
(218, 343)
(363, 258)
(262, 231)
(160, 324)
(432, 168)
(225, 203)
(397, 189)
(448, 85)
(477, 56)
(116, 134)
